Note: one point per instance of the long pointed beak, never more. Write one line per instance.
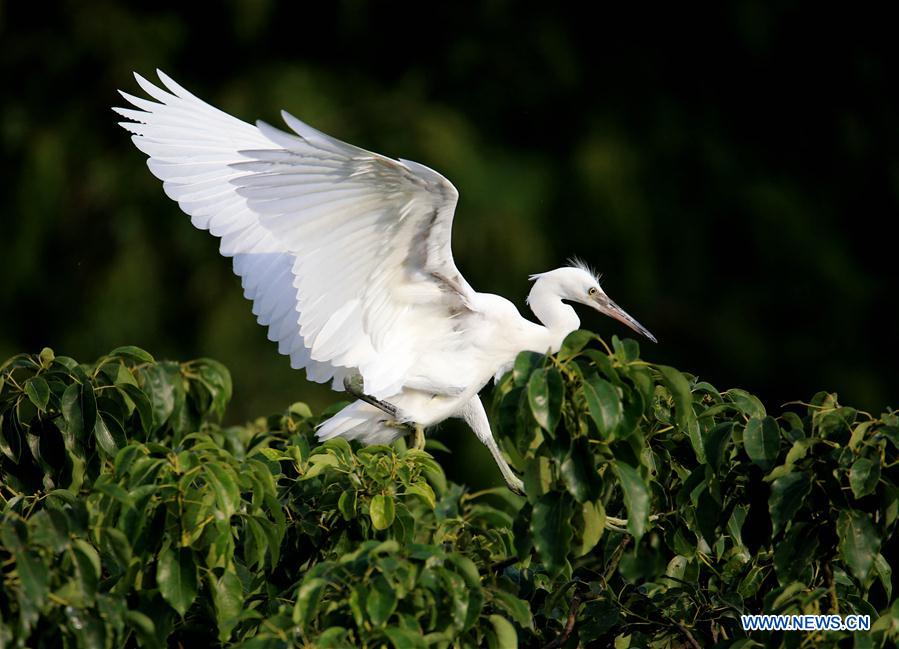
(605, 305)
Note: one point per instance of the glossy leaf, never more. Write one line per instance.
(176, 575)
(594, 517)
(33, 576)
(579, 472)
(604, 404)
(381, 601)
(788, 494)
(545, 394)
(506, 635)
(227, 596)
(683, 406)
(864, 476)
(38, 392)
(157, 385)
(382, 511)
(551, 529)
(761, 440)
(574, 343)
(133, 353)
(636, 498)
(859, 543)
(308, 597)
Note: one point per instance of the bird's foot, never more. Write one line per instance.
(353, 385)
(417, 436)
(515, 484)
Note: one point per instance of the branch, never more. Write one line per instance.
(499, 566)
(688, 635)
(569, 625)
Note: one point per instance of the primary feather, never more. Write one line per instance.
(341, 250)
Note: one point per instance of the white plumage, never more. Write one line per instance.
(346, 257)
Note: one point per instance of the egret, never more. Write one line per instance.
(346, 257)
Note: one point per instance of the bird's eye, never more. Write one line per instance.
(592, 291)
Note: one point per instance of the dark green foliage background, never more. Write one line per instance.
(731, 168)
(658, 511)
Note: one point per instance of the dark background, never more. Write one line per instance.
(733, 172)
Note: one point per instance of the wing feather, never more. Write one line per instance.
(330, 240)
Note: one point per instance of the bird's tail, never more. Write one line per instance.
(363, 422)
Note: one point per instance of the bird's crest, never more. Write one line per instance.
(577, 262)
(573, 262)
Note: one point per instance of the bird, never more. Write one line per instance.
(346, 256)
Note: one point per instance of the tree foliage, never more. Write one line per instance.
(659, 509)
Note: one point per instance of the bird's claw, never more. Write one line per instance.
(515, 485)
(418, 437)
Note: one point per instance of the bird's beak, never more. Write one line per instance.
(605, 305)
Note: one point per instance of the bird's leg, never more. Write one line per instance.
(353, 385)
(474, 415)
(418, 437)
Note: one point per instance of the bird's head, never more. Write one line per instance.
(579, 283)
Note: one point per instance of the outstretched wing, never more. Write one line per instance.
(345, 253)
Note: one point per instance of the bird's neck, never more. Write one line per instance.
(558, 318)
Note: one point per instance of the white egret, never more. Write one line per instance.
(346, 257)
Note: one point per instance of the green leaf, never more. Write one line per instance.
(11, 435)
(679, 388)
(382, 511)
(227, 596)
(746, 403)
(141, 404)
(79, 410)
(405, 638)
(158, 386)
(537, 477)
(38, 392)
(308, 597)
(545, 395)
(346, 504)
(87, 563)
(176, 575)
(761, 440)
(381, 601)
(125, 458)
(506, 636)
(579, 472)
(551, 530)
(217, 379)
(116, 545)
(594, 517)
(636, 498)
(132, 352)
(517, 608)
(628, 349)
(525, 363)
(108, 440)
(604, 405)
(574, 343)
(717, 444)
(787, 496)
(885, 574)
(735, 523)
(864, 476)
(859, 543)
(143, 628)
(597, 617)
(227, 493)
(34, 577)
(424, 491)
